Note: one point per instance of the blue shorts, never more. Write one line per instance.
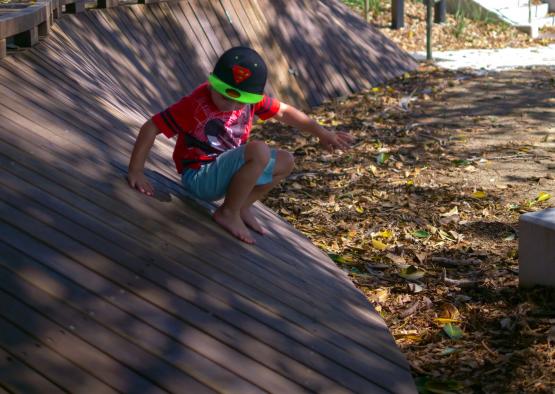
(210, 182)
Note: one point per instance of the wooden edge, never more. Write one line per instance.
(21, 21)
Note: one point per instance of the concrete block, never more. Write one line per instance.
(537, 248)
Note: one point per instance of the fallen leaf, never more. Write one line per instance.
(399, 260)
(346, 259)
(382, 158)
(421, 234)
(411, 273)
(379, 244)
(449, 311)
(479, 194)
(543, 196)
(453, 331)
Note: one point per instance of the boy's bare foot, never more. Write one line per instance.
(250, 220)
(234, 224)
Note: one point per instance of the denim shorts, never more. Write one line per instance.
(210, 182)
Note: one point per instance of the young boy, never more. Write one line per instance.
(212, 154)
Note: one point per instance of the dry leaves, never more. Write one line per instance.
(437, 257)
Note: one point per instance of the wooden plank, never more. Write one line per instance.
(361, 56)
(233, 318)
(64, 137)
(234, 285)
(292, 275)
(385, 60)
(294, 57)
(221, 10)
(131, 55)
(25, 19)
(75, 7)
(100, 337)
(20, 343)
(124, 324)
(215, 22)
(17, 376)
(285, 83)
(71, 346)
(198, 12)
(324, 56)
(200, 35)
(253, 43)
(162, 311)
(195, 76)
(137, 27)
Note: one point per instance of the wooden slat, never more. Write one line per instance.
(98, 336)
(16, 376)
(126, 325)
(158, 273)
(284, 39)
(22, 344)
(292, 300)
(71, 346)
(284, 82)
(253, 328)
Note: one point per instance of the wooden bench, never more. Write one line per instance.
(537, 248)
(26, 22)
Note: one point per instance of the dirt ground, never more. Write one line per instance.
(423, 213)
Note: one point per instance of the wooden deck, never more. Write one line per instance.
(105, 290)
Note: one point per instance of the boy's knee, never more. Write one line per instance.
(258, 152)
(284, 163)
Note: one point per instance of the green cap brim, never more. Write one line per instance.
(222, 87)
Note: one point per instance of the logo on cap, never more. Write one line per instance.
(240, 74)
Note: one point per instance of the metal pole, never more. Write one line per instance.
(366, 10)
(440, 11)
(530, 12)
(429, 22)
(397, 14)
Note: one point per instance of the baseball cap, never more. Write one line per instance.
(240, 74)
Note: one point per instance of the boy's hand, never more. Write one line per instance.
(138, 181)
(338, 140)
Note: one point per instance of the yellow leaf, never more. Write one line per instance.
(385, 234)
(376, 90)
(410, 182)
(260, 121)
(359, 209)
(479, 194)
(379, 244)
(445, 320)
(543, 196)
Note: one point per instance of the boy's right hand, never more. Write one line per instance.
(137, 180)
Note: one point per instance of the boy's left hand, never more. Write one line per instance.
(338, 140)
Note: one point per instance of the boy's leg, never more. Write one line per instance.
(228, 215)
(283, 167)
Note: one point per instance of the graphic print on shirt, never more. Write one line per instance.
(223, 131)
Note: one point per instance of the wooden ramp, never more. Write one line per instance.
(105, 290)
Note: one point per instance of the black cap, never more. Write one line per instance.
(244, 72)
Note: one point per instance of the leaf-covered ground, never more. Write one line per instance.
(423, 213)
(457, 32)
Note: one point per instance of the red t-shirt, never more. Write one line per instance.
(198, 117)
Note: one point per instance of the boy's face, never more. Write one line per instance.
(225, 104)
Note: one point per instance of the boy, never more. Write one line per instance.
(212, 154)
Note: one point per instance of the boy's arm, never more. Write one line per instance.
(291, 116)
(143, 144)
